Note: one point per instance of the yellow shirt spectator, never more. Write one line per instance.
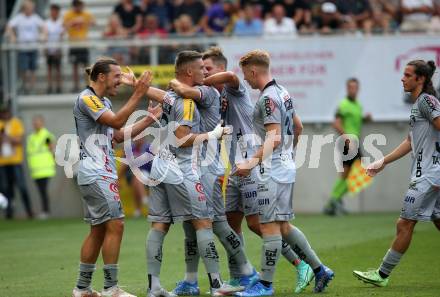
(78, 23)
(10, 153)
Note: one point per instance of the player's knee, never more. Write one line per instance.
(405, 226)
(162, 227)
(285, 228)
(117, 226)
(202, 224)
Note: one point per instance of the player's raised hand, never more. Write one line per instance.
(154, 110)
(144, 82)
(375, 167)
(129, 78)
(173, 84)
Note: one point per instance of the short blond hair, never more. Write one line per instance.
(256, 57)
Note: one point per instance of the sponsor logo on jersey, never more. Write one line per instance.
(93, 102)
(269, 106)
(188, 109)
(419, 163)
(432, 103)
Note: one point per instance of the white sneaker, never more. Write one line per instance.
(160, 293)
(115, 292)
(226, 290)
(85, 293)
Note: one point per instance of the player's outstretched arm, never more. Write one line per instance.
(271, 141)
(154, 113)
(185, 138)
(117, 120)
(400, 151)
(156, 94)
(129, 79)
(185, 91)
(227, 77)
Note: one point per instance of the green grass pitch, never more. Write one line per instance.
(40, 258)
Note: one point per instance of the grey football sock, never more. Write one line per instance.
(209, 255)
(154, 251)
(299, 244)
(288, 253)
(110, 275)
(234, 269)
(191, 250)
(269, 257)
(85, 275)
(232, 244)
(391, 259)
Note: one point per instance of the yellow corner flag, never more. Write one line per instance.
(357, 178)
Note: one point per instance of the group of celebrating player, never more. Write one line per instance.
(205, 105)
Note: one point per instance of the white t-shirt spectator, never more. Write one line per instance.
(55, 32)
(27, 28)
(419, 16)
(287, 26)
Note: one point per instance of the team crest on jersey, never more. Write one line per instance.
(269, 106)
(288, 104)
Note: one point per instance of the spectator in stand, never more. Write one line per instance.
(356, 15)
(278, 23)
(130, 15)
(416, 15)
(218, 17)
(55, 32)
(77, 22)
(24, 28)
(248, 24)
(151, 28)
(194, 8)
(114, 30)
(385, 13)
(41, 162)
(300, 11)
(328, 18)
(162, 9)
(11, 161)
(185, 26)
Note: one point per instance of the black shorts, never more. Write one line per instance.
(79, 56)
(351, 161)
(53, 59)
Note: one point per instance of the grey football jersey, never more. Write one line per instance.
(425, 139)
(96, 151)
(237, 110)
(209, 108)
(275, 106)
(182, 112)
